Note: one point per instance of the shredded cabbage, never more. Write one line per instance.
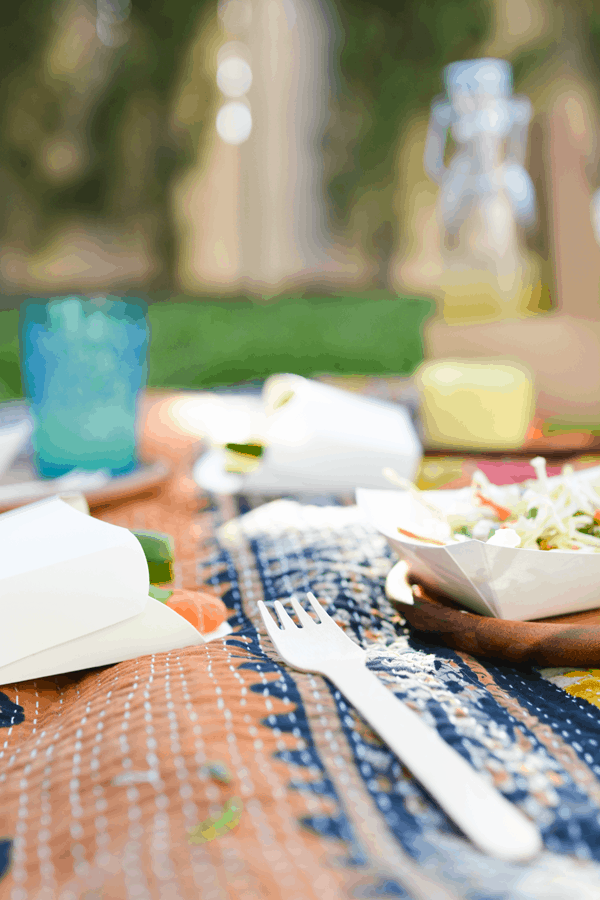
(560, 515)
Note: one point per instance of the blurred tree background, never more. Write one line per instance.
(89, 129)
(99, 119)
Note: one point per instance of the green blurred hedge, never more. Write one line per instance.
(205, 343)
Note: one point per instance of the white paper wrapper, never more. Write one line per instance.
(506, 582)
(74, 594)
(319, 439)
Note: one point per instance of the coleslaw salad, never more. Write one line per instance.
(560, 513)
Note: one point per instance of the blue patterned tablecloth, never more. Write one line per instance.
(533, 732)
(105, 775)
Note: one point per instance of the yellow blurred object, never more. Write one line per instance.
(470, 294)
(476, 405)
(435, 473)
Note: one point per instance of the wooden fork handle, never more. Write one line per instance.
(491, 822)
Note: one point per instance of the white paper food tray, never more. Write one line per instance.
(518, 584)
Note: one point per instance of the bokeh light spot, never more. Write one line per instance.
(234, 123)
(234, 76)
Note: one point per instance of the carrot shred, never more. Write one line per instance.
(418, 537)
(501, 511)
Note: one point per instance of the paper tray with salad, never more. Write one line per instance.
(520, 551)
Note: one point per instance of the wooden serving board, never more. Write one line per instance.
(572, 640)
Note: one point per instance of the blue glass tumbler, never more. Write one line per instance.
(83, 364)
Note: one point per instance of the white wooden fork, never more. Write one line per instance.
(492, 823)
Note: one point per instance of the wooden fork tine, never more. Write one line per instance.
(269, 621)
(284, 618)
(323, 616)
(304, 617)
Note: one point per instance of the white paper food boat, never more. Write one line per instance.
(518, 584)
(318, 439)
(74, 595)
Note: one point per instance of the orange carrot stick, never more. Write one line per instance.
(202, 610)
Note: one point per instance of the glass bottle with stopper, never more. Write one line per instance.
(485, 192)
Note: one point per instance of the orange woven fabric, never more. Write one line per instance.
(75, 794)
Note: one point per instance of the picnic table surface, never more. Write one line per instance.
(219, 772)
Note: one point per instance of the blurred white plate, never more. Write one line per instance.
(19, 483)
(13, 440)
